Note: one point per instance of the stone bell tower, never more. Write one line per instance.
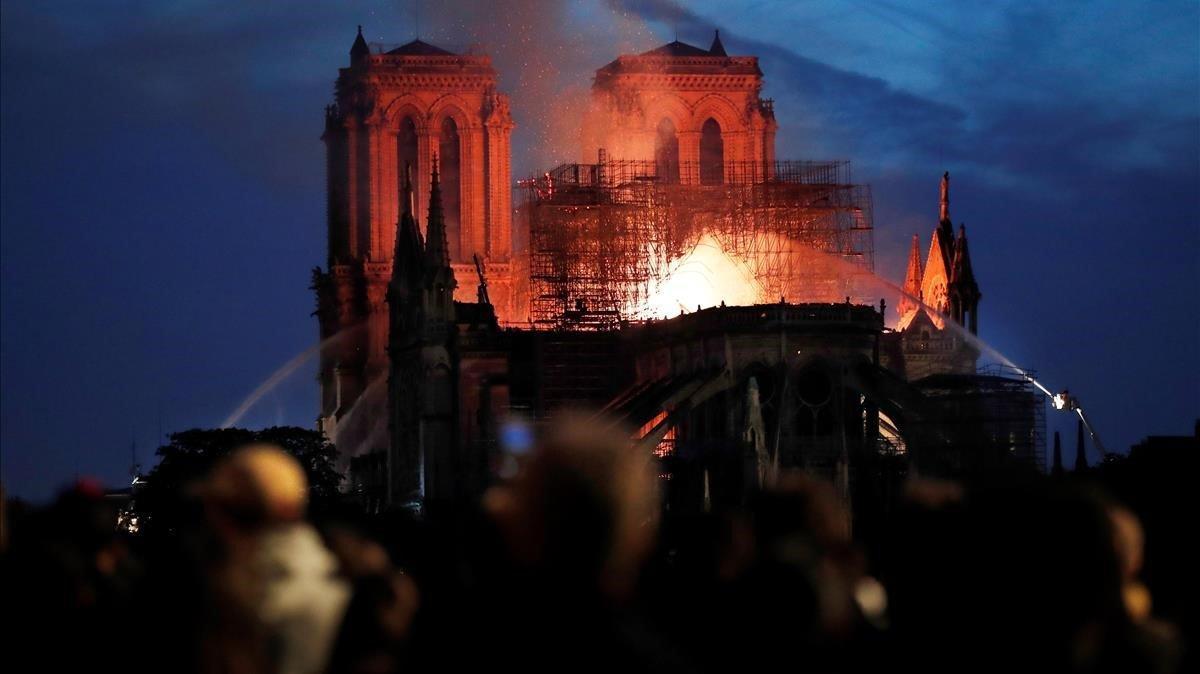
(696, 113)
(395, 108)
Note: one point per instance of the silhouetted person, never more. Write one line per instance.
(575, 525)
(276, 572)
(67, 584)
(380, 613)
(1015, 578)
(784, 584)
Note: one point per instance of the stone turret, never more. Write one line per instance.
(717, 49)
(359, 50)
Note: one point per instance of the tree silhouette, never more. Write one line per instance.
(166, 501)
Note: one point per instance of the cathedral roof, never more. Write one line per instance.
(678, 48)
(419, 48)
(682, 58)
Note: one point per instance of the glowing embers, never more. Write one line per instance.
(706, 277)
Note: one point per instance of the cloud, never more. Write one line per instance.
(179, 142)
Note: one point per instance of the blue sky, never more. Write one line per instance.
(162, 185)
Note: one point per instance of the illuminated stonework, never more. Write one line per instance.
(679, 278)
(395, 109)
(944, 288)
(681, 106)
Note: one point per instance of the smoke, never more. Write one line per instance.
(546, 52)
(826, 111)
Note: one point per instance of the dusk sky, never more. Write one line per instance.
(163, 186)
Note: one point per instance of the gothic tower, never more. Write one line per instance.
(690, 110)
(394, 109)
(946, 284)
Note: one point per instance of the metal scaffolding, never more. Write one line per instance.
(990, 416)
(601, 235)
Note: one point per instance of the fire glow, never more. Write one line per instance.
(705, 277)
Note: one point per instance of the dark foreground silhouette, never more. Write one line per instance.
(571, 565)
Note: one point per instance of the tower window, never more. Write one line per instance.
(451, 176)
(712, 154)
(666, 152)
(406, 153)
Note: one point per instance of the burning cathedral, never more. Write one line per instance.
(717, 301)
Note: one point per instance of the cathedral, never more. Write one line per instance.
(441, 340)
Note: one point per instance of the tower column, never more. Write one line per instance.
(498, 200)
(384, 188)
(474, 175)
(353, 187)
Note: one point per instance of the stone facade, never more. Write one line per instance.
(396, 112)
(683, 106)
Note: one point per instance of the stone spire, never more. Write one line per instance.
(1081, 463)
(407, 259)
(439, 277)
(1056, 469)
(964, 291)
(717, 49)
(944, 211)
(912, 279)
(437, 250)
(359, 49)
(935, 281)
(945, 225)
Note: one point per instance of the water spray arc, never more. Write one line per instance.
(280, 375)
(1059, 401)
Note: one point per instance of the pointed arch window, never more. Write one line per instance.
(450, 158)
(406, 152)
(666, 152)
(712, 154)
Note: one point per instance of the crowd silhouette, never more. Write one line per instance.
(572, 565)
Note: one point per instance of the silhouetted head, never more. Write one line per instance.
(257, 486)
(583, 507)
